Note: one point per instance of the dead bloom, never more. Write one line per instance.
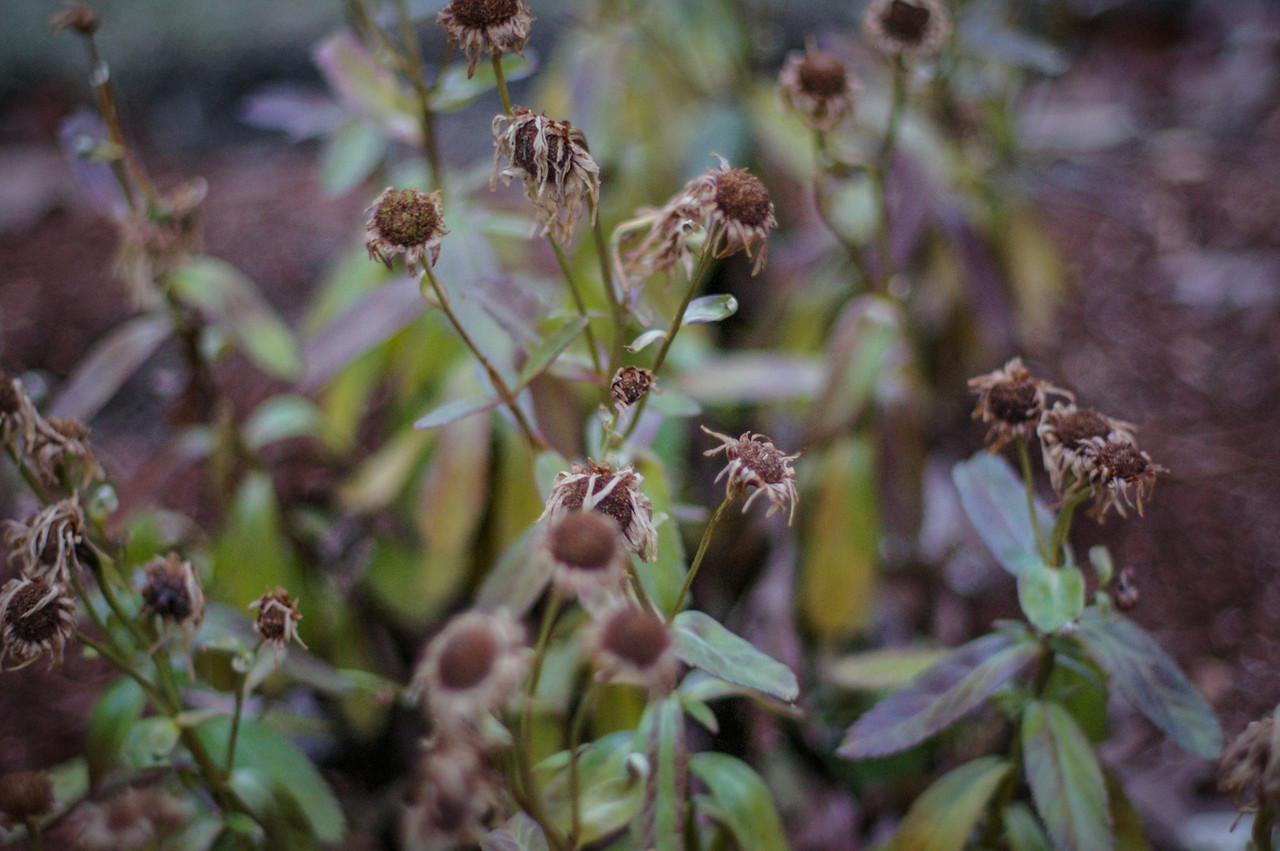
(278, 618)
(634, 644)
(1012, 401)
(628, 386)
(36, 618)
(408, 222)
(817, 87)
(906, 27)
(616, 494)
(486, 26)
(48, 545)
(1066, 432)
(552, 160)
(471, 667)
(754, 462)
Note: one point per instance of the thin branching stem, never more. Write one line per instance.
(426, 117)
(606, 281)
(880, 171)
(592, 345)
(697, 559)
(1025, 458)
(576, 726)
(524, 747)
(502, 82)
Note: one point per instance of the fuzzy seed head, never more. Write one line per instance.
(755, 463)
(634, 644)
(584, 540)
(1070, 439)
(278, 618)
(734, 200)
(823, 75)
(906, 27)
(742, 197)
(483, 13)
(24, 795)
(552, 160)
(471, 667)
(628, 386)
(615, 494)
(408, 222)
(1080, 426)
(467, 656)
(486, 26)
(36, 618)
(171, 591)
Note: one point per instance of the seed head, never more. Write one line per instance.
(408, 222)
(278, 618)
(18, 416)
(906, 27)
(60, 446)
(552, 160)
(817, 87)
(1119, 475)
(159, 239)
(754, 462)
(634, 644)
(49, 543)
(470, 668)
(735, 199)
(24, 795)
(172, 592)
(486, 26)
(1249, 768)
(629, 384)
(36, 618)
(1012, 401)
(456, 796)
(1066, 431)
(597, 487)
(587, 554)
(135, 818)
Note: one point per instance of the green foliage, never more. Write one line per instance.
(943, 817)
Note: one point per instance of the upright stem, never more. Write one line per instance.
(697, 559)
(606, 280)
(1025, 458)
(426, 118)
(821, 203)
(1264, 821)
(1062, 527)
(880, 173)
(502, 82)
(578, 302)
(33, 833)
(575, 738)
(524, 748)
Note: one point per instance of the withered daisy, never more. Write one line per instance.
(906, 27)
(171, 592)
(733, 199)
(1065, 431)
(616, 494)
(552, 160)
(157, 240)
(49, 543)
(754, 462)
(660, 238)
(36, 618)
(587, 553)
(1119, 474)
(408, 222)
(816, 86)
(277, 622)
(1249, 768)
(135, 818)
(1012, 401)
(471, 667)
(456, 796)
(486, 26)
(24, 795)
(629, 384)
(18, 416)
(61, 446)
(634, 644)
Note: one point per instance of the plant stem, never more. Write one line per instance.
(606, 280)
(33, 833)
(502, 82)
(821, 202)
(702, 550)
(575, 737)
(880, 172)
(1264, 821)
(499, 384)
(426, 118)
(1025, 458)
(524, 748)
(112, 655)
(577, 300)
(1062, 527)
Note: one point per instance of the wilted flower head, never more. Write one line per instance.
(734, 199)
(629, 385)
(133, 820)
(471, 667)
(492, 26)
(159, 239)
(18, 416)
(817, 86)
(1012, 401)
(36, 618)
(634, 644)
(1066, 432)
(663, 241)
(552, 159)
(1249, 768)
(906, 27)
(172, 592)
(78, 17)
(587, 554)
(408, 222)
(278, 618)
(1119, 475)
(755, 462)
(61, 446)
(455, 798)
(616, 494)
(50, 543)
(24, 795)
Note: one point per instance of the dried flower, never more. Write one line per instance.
(628, 385)
(159, 239)
(734, 199)
(1250, 766)
(597, 487)
(664, 243)
(49, 545)
(78, 17)
(1012, 401)
(1119, 475)
(408, 222)
(61, 447)
(755, 462)
(18, 416)
(278, 618)
(133, 820)
(493, 26)
(817, 86)
(455, 798)
(1065, 432)
(906, 27)
(552, 159)
(36, 617)
(172, 592)
(587, 553)
(471, 667)
(24, 795)
(634, 644)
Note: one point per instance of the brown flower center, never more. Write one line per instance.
(34, 625)
(407, 217)
(9, 401)
(1123, 460)
(742, 197)
(822, 75)
(905, 21)
(468, 657)
(526, 155)
(479, 14)
(1013, 402)
(616, 504)
(585, 540)
(630, 384)
(640, 637)
(1080, 426)
(165, 593)
(763, 459)
(26, 794)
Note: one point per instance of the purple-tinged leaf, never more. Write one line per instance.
(648, 338)
(81, 136)
(456, 410)
(942, 695)
(701, 641)
(753, 377)
(297, 112)
(369, 322)
(995, 498)
(710, 308)
(943, 817)
(366, 86)
(549, 349)
(109, 364)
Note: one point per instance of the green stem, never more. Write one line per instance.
(578, 302)
(524, 748)
(575, 738)
(821, 204)
(499, 383)
(114, 656)
(606, 280)
(32, 480)
(33, 833)
(426, 118)
(880, 173)
(697, 559)
(502, 82)
(1025, 458)
(1264, 821)
(1062, 527)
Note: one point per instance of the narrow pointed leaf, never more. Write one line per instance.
(1065, 779)
(280, 418)
(1151, 681)
(740, 800)
(646, 339)
(549, 349)
(661, 735)
(703, 643)
(942, 695)
(456, 410)
(995, 498)
(367, 86)
(943, 817)
(109, 364)
(710, 308)
(1022, 830)
(1050, 597)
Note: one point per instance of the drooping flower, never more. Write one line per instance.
(655, 241)
(134, 819)
(408, 222)
(171, 591)
(552, 160)
(906, 27)
(471, 667)
(278, 616)
(1249, 768)
(634, 644)
(1065, 432)
(50, 543)
(735, 200)
(1012, 401)
(817, 86)
(18, 416)
(157, 240)
(60, 446)
(1119, 475)
(598, 487)
(486, 26)
(455, 796)
(36, 619)
(628, 386)
(754, 462)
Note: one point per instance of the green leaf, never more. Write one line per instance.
(457, 90)
(740, 800)
(878, 670)
(1126, 824)
(942, 818)
(350, 156)
(661, 825)
(663, 576)
(150, 741)
(752, 377)
(251, 555)
(1100, 558)
(1065, 778)
(710, 308)
(365, 85)
(115, 712)
(1022, 830)
(858, 357)
(1051, 597)
(610, 792)
(942, 695)
(673, 403)
(1151, 681)
(703, 643)
(521, 833)
(648, 338)
(517, 579)
(456, 410)
(109, 364)
(233, 301)
(280, 418)
(995, 498)
(549, 349)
